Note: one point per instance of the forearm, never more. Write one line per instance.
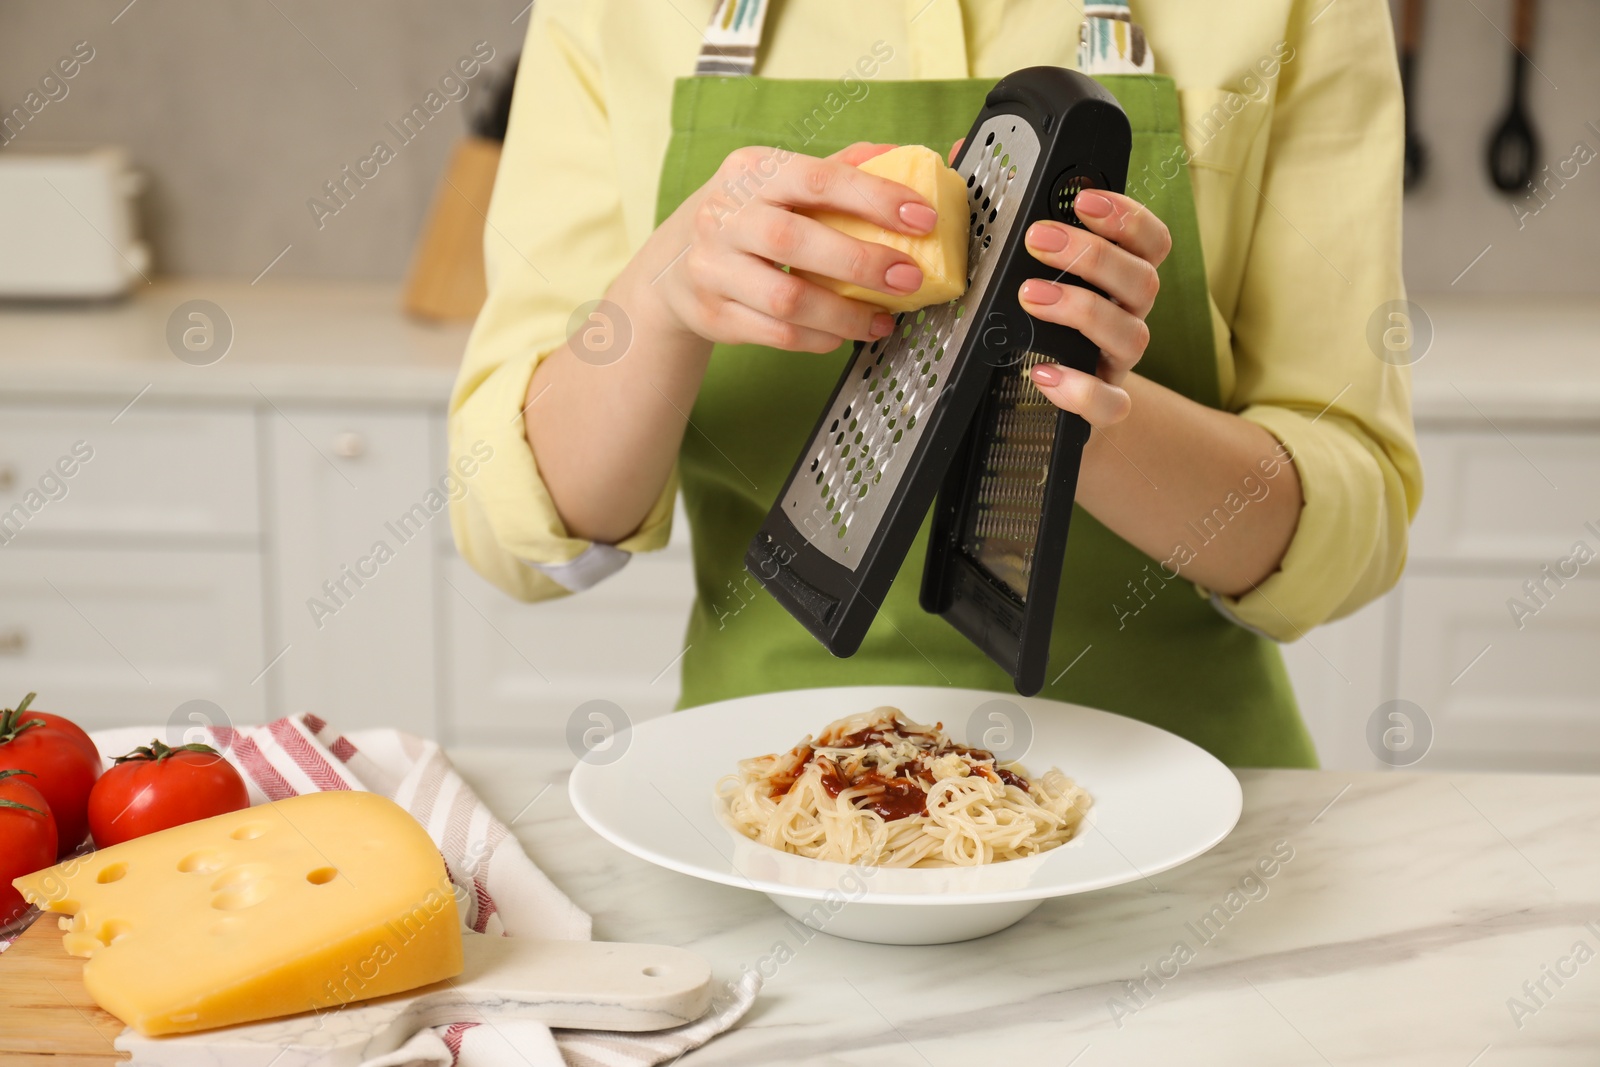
(606, 434)
(1177, 473)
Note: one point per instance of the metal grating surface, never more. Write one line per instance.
(873, 428)
(1002, 524)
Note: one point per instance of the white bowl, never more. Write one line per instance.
(1158, 801)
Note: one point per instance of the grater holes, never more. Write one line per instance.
(1068, 184)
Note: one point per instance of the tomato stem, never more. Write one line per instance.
(10, 726)
(156, 751)
(15, 804)
(20, 807)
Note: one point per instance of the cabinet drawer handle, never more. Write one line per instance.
(13, 642)
(349, 445)
(8, 478)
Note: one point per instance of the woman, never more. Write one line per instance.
(1252, 470)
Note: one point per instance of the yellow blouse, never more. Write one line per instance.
(1292, 117)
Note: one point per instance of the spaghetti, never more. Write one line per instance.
(877, 788)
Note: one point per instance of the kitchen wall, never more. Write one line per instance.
(1539, 243)
(323, 79)
(240, 112)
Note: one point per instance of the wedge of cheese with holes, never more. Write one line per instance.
(304, 904)
(942, 254)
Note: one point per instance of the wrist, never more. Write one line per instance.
(644, 291)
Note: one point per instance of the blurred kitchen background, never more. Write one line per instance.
(259, 413)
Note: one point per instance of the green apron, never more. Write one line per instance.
(1137, 642)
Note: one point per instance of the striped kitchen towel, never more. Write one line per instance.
(499, 889)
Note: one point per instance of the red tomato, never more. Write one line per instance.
(27, 838)
(72, 730)
(66, 769)
(157, 787)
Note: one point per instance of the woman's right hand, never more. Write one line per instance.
(728, 241)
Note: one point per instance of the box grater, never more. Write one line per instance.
(943, 407)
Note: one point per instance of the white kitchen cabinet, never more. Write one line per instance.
(1517, 495)
(147, 471)
(354, 506)
(1500, 696)
(1505, 506)
(121, 637)
(517, 671)
(1341, 671)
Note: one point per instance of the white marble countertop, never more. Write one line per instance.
(1410, 915)
(1510, 358)
(292, 340)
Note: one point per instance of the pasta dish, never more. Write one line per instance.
(877, 788)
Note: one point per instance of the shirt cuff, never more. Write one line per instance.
(1339, 530)
(508, 493)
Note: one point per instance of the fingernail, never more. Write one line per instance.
(1038, 291)
(919, 217)
(903, 277)
(1047, 374)
(1091, 204)
(1047, 238)
(882, 325)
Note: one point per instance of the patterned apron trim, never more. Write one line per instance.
(1110, 42)
(731, 38)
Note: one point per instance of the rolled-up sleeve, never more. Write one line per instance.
(1324, 261)
(554, 239)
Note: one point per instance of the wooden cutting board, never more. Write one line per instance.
(46, 1016)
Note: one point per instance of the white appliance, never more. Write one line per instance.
(67, 224)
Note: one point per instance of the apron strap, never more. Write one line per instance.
(1110, 42)
(731, 38)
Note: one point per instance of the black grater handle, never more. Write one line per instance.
(1089, 149)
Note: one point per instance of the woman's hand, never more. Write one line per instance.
(728, 240)
(1118, 254)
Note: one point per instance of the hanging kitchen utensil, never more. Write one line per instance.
(949, 385)
(1514, 147)
(1416, 153)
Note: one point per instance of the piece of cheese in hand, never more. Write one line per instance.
(942, 254)
(308, 903)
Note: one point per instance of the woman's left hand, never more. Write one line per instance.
(1118, 254)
